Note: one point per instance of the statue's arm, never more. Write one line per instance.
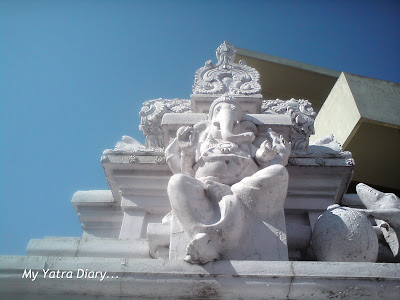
(180, 154)
(186, 137)
(265, 154)
(172, 157)
(187, 162)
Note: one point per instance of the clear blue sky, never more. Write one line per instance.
(73, 75)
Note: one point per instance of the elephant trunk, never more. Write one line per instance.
(228, 119)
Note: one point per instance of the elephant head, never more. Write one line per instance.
(225, 117)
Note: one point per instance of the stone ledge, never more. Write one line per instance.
(88, 247)
(224, 279)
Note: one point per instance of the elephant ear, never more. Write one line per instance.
(248, 126)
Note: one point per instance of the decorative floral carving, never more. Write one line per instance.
(133, 159)
(151, 115)
(104, 159)
(159, 159)
(302, 115)
(293, 162)
(320, 162)
(226, 76)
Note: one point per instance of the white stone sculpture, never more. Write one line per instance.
(227, 194)
(151, 115)
(126, 144)
(326, 144)
(302, 115)
(343, 234)
(226, 76)
(385, 208)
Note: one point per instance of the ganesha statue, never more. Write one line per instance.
(227, 195)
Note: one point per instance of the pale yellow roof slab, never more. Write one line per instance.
(284, 79)
(364, 116)
(377, 100)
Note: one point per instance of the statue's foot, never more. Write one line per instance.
(201, 250)
(215, 190)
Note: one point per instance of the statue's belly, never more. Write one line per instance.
(228, 168)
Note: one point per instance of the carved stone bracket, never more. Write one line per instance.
(151, 115)
(226, 76)
(302, 115)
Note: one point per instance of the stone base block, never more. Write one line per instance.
(171, 279)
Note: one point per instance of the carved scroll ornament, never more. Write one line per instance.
(302, 115)
(151, 115)
(226, 76)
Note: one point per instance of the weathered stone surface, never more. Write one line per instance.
(88, 247)
(385, 208)
(344, 235)
(98, 212)
(173, 279)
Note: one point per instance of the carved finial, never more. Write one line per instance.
(226, 76)
(226, 54)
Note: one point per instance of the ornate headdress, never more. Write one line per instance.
(226, 98)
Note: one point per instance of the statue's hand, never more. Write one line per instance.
(283, 148)
(279, 142)
(266, 152)
(186, 138)
(279, 150)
